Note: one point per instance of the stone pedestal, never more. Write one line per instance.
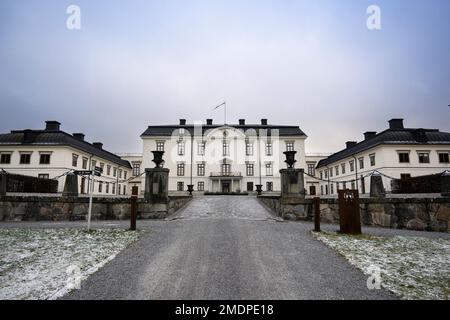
(376, 187)
(293, 184)
(71, 186)
(157, 185)
(3, 183)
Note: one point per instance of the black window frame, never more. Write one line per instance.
(45, 156)
(7, 156)
(25, 156)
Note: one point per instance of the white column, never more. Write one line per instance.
(232, 185)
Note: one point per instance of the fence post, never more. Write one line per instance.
(134, 197)
(316, 203)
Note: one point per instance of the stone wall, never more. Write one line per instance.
(25, 208)
(425, 214)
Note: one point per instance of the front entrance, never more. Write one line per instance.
(226, 187)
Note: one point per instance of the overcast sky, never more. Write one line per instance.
(308, 63)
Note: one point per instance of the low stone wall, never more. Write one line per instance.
(15, 208)
(413, 213)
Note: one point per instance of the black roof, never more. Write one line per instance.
(406, 136)
(168, 130)
(57, 138)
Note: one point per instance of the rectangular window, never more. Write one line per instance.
(180, 169)
(119, 189)
(108, 170)
(326, 174)
(352, 166)
(372, 159)
(102, 166)
(332, 188)
(201, 186)
(249, 149)
(124, 189)
(353, 185)
(250, 169)
(424, 157)
(312, 169)
(201, 169)
(321, 174)
(444, 157)
(44, 158)
(337, 170)
(321, 190)
(269, 169)
(361, 163)
(331, 172)
(403, 157)
(326, 189)
(120, 173)
(290, 146)
(160, 146)
(74, 160)
(44, 176)
(250, 186)
(201, 149)
(344, 185)
(125, 175)
(113, 188)
(5, 158)
(269, 149)
(100, 187)
(269, 186)
(25, 158)
(181, 148)
(226, 169)
(180, 186)
(85, 163)
(226, 149)
(136, 168)
(114, 172)
(343, 168)
(107, 187)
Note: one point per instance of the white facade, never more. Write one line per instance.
(312, 185)
(223, 159)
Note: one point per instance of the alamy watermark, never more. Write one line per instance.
(374, 280)
(73, 21)
(374, 18)
(74, 277)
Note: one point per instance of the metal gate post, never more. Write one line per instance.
(134, 197)
(316, 203)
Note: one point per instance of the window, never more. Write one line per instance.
(119, 189)
(424, 157)
(321, 175)
(5, 158)
(332, 188)
(326, 174)
(361, 163)
(102, 166)
(25, 158)
(160, 146)
(114, 172)
(74, 160)
(201, 148)
(337, 170)
(372, 159)
(403, 157)
(269, 149)
(120, 173)
(444, 157)
(201, 186)
(180, 186)
(248, 149)
(201, 169)
(136, 168)
(85, 163)
(94, 163)
(125, 175)
(363, 185)
(107, 187)
(352, 166)
(250, 186)
(226, 169)
(113, 188)
(226, 148)
(124, 190)
(269, 186)
(180, 169)
(326, 189)
(44, 158)
(331, 172)
(353, 185)
(100, 187)
(344, 185)
(181, 131)
(44, 176)
(269, 169)
(312, 169)
(181, 148)
(321, 190)
(250, 169)
(343, 168)
(289, 146)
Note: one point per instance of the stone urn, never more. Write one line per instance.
(259, 189)
(157, 158)
(290, 158)
(190, 189)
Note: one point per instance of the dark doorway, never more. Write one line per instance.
(312, 190)
(226, 187)
(250, 186)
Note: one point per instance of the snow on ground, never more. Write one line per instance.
(44, 264)
(411, 267)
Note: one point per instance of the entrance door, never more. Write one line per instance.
(225, 187)
(250, 186)
(312, 190)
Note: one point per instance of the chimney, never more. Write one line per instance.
(369, 135)
(29, 136)
(351, 144)
(264, 122)
(182, 122)
(209, 122)
(242, 122)
(79, 136)
(396, 124)
(52, 125)
(98, 145)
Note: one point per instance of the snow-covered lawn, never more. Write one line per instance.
(412, 268)
(44, 264)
